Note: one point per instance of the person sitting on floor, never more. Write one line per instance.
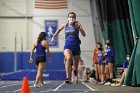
(125, 66)
(86, 74)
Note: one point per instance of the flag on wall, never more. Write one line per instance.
(51, 4)
(50, 28)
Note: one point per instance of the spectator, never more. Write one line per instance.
(95, 62)
(86, 74)
(101, 63)
(109, 57)
(81, 68)
(125, 66)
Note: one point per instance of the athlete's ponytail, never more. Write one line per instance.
(42, 36)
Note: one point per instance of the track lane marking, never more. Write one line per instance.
(30, 86)
(88, 86)
(59, 86)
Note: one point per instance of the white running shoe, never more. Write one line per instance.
(42, 85)
(124, 85)
(101, 83)
(108, 84)
(36, 85)
(115, 85)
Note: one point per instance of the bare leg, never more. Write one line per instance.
(99, 70)
(39, 75)
(106, 72)
(68, 57)
(76, 62)
(43, 66)
(110, 70)
(37, 80)
(102, 73)
(96, 71)
(122, 78)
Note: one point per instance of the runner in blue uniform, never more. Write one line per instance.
(72, 44)
(101, 63)
(40, 45)
(109, 55)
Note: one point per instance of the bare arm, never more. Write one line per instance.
(31, 53)
(104, 56)
(81, 30)
(47, 48)
(57, 32)
(93, 56)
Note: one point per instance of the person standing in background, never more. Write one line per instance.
(101, 63)
(40, 45)
(109, 56)
(95, 62)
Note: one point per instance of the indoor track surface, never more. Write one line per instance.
(61, 87)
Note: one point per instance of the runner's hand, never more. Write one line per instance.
(77, 25)
(31, 60)
(52, 40)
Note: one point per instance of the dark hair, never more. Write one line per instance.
(42, 36)
(88, 71)
(72, 13)
(100, 45)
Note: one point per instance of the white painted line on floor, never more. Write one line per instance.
(74, 90)
(46, 91)
(88, 87)
(7, 91)
(20, 89)
(7, 83)
(16, 90)
(59, 86)
(10, 85)
(30, 87)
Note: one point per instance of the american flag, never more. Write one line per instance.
(51, 4)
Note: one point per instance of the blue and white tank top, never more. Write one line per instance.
(100, 56)
(72, 35)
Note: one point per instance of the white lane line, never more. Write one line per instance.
(88, 87)
(74, 90)
(10, 85)
(16, 90)
(7, 83)
(30, 87)
(20, 89)
(59, 86)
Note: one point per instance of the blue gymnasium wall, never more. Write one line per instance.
(7, 61)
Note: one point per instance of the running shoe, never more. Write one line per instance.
(115, 85)
(97, 81)
(68, 81)
(108, 84)
(101, 83)
(37, 85)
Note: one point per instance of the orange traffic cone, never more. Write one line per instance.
(25, 86)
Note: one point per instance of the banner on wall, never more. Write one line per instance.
(50, 28)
